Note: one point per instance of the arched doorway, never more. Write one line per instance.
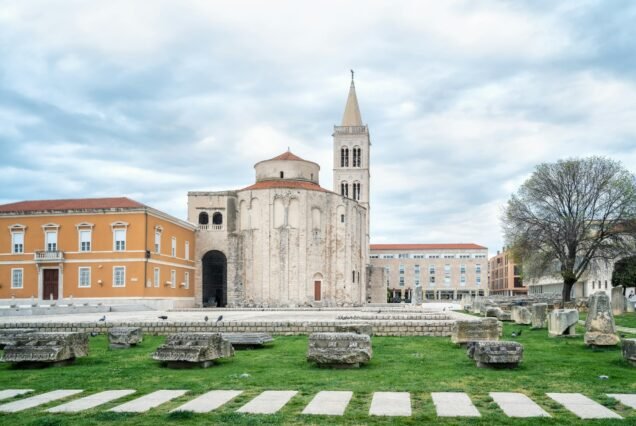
(214, 279)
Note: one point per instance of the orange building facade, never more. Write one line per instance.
(504, 275)
(108, 250)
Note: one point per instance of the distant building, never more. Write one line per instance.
(445, 271)
(504, 275)
(597, 278)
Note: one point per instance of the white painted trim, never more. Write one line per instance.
(60, 281)
(173, 278)
(104, 251)
(17, 254)
(115, 229)
(85, 225)
(79, 239)
(156, 277)
(51, 225)
(21, 276)
(176, 265)
(17, 227)
(79, 275)
(173, 247)
(113, 281)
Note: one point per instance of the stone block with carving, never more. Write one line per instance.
(464, 331)
(339, 350)
(46, 348)
(523, 316)
(504, 315)
(562, 322)
(193, 349)
(539, 315)
(359, 328)
(124, 337)
(600, 329)
(248, 340)
(9, 335)
(492, 311)
(629, 351)
(618, 301)
(495, 354)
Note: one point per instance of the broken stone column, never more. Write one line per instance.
(464, 331)
(339, 350)
(539, 315)
(191, 349)
(562, 322)
(124, 337)
(359, 328)
(503, 315)
(523, 315)
(248, 340)
(618, 301)
(8, 336)
(46, 348)
(629, 351)
(493, 312)
(495, 354)
(418, 296)
(476, 305)
(600, 329)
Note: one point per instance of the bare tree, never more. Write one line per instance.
(572, 214)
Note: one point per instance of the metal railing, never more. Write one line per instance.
(210, 227)
(350, 130)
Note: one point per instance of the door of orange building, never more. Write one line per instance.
(317, 292)
(50, 278)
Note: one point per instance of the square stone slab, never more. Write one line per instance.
(146, 402)
(10, 393)
(627, 399)
(90, 401)
(583, 406)
(209, 401)
(517, 405)
(454, 404)
(390, 404)
(329, 403)
(268, 402)
(34, 401)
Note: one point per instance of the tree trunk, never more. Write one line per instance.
(568, 283)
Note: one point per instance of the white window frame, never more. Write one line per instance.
(90, 240)
(173, 247)
(173, 278)
(50, 246)
(186, 279)
(187, 250)
(79, 276)
(13, 280)
(115, 277)
(478, 268)
(156, 277)
(158, 233)
(115, 245)
(14, 244)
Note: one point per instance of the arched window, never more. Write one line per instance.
(217, 219)
(344, 189)
(204, 219)
(357, 155)
(344, 157)
(356, 191)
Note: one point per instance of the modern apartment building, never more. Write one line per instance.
(444, 271)
(504, 275)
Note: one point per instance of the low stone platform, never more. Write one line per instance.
(40, 349)
(183, 350)
(359, 328)
(124, 337)
(496, 354)
(339, 350)
(247, 340)
(464, 331)
(8, 336)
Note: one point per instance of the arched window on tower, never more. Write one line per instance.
(344, 157)
(357, 157)
(217, 219)
(344, 189)
(204, 219)
(356, 191)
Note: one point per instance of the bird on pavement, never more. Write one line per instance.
(103, 318)
(206, 318)
(219, 318)
(163, 317)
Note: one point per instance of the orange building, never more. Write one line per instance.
(109, 250)
(504, 275)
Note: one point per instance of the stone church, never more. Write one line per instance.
(285, 241)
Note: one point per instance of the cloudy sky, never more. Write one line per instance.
(151, 99)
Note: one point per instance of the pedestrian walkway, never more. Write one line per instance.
(327, 403)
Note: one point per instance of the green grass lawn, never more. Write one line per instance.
(628, 319)
(418, 365)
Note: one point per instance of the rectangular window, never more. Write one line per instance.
(449, 256)
(17, 278)
(431, 279)
(119, 276)
(403, 256)
(51, 241)
(375, 256)
(418, 256)
(186, 279)
(85, 240)
(478, 280)
(388, 256)
(431, 269)
(157, 242)
(462, 269)
(387, 272)
(120, 239)
(447, 268)
(17, 242)
(84, 277)
(187, 250)
(173, 250)
(156, 278)
(462, 279)
(464, 256)
(173, 278)
(433, 256)
(478, 268)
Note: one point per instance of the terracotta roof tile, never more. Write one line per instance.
(70, 204)
(461, 246)
(268, 184)
(287, 156)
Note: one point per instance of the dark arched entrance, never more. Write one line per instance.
(214, 279)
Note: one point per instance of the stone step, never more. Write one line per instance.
(390, 404)
(517, 405)
(627, 399)
(583, 406)
(329, 403)
(146, 402)
(34, 401)
(10, 393)
(454, 404)
(267, 402)
(209, 401)
(90, 401)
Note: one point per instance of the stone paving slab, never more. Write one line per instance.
(10, 393)
(454, 404)
(583, 406)
(390, 404)
(146, 402)
(34, 401)
(90, 401)
(267, 402)
(517, 405)
(627, 399)
(209, 401)
(329, 403)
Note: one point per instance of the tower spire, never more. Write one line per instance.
(351, 116)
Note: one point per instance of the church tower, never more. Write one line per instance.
(351, 146)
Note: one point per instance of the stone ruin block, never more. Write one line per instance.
(492, 312)
(618, 301)
(360, 328)
(600, 329)
(495, 354)
(562, 322)
(504, 315)
(8, 336)
(46, 348)
(629, 351)
(183, 350)
(339, 350)
(124, 337)
(522, 315)
(539, 315)
(464, 331)
(247, 340)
